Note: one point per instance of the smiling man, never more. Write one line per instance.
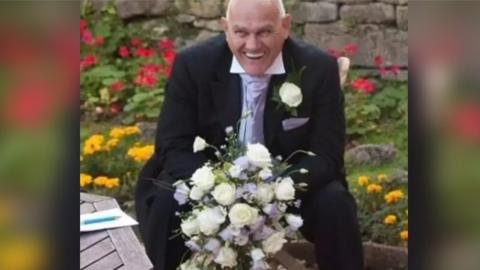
(211, 86)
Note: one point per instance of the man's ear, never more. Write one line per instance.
(224, 23)
(286, 24)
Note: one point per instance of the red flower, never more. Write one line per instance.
(382, 71)
(117, 86)
(87, 61)
(466, 121)
(136, 42)
(147, 75)
(165, 44)
(83, 25)
(165, 71)
(144, 52)
(168, 56)
(394, 69)
(378, 61)
(29, 105)
(99, 40)
(87, 37)
(363, 85)
(115, 108)
(123, 52)
(350, 49)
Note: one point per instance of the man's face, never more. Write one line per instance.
(255, 33)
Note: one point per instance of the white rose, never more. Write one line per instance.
(274, 243)
(258, 155)
(290, 94)
(199, 144)
(190, 227)
(224, 193)
(265, 173)
(242, 214)
(294, 221)
(264, 193)
(226, 257)
(196, 193)
(189, 265)
(235, 171)
(203, 178)
(257, 254)
(284, 190)
(210, 219)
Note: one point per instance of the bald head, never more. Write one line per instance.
(255, 31)
(277, 4)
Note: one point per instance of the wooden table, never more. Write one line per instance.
(117, 248)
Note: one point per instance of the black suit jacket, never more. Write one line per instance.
(202, 98)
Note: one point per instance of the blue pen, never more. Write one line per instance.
(100, 219)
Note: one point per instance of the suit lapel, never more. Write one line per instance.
(226, 94)
(274, 114)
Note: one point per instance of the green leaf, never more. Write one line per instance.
(152, 113)
(102, 29)
(108, 81)
(128, 119)
(140, 97)
(106, 72)
(129, 107)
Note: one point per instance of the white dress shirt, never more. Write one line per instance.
(254, 94)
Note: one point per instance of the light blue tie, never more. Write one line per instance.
(255, 102)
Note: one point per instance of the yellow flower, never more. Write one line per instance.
(117, 132)
(390, 220)
(374, 188)
(382, 177)
(111, 143)
(394, 196)
(93, 144)
(404, 235)
(112, 182)
(141, 154)
(362, 180)
(131, 130)
(85, 179)
(100, 181)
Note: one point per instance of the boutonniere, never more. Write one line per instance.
(289, 94)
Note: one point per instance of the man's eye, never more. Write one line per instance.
(240, 33)
(265, 33)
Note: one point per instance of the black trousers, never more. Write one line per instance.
(329, 215)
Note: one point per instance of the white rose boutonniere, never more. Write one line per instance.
(289, 94)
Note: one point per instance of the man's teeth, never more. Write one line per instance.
(254, 55)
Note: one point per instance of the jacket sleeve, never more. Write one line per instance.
(327, 137)
(177, 124)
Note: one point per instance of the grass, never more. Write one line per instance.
(398, 137)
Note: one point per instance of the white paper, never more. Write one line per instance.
(123, 221)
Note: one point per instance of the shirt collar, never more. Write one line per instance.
(276, 67)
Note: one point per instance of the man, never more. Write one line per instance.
(211, 86)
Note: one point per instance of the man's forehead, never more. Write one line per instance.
(256, 27)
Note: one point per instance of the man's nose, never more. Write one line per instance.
(252, 43)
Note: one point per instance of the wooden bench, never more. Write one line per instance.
(117, 248)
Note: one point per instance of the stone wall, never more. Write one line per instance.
(378, 27)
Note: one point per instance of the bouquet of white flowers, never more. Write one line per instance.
(238, 216)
